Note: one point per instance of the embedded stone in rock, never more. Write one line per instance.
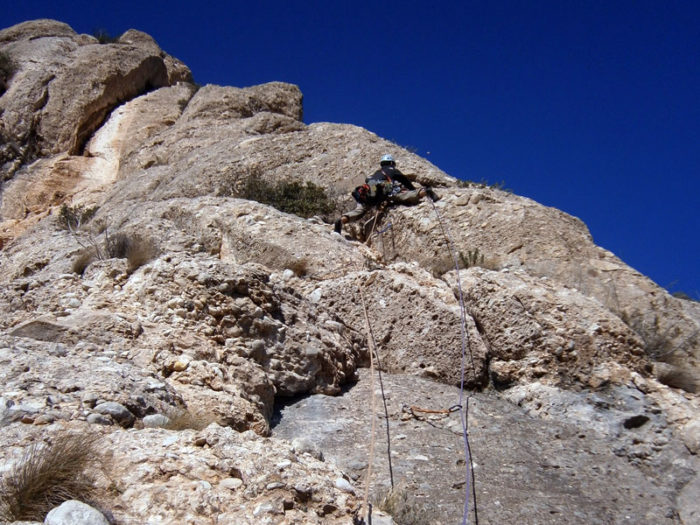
(117, 411)
(40, 330)
(156, 421)
(75, 512)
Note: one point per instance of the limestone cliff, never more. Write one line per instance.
(138, 286)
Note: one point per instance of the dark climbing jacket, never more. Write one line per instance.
(382, 184)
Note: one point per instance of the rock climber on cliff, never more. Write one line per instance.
(386, 186)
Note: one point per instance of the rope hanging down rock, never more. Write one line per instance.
(464, 407)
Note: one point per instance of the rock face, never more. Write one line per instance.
(219, 347)
(66, 84)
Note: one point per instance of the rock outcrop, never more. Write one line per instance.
(218, 347)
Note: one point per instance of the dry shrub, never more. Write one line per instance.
(300, 267)
(47, 475)
(84, 259)
(441, 265)
(136, 249)
(7, 69)
(662, 343)
(402, 507)
(677, 377)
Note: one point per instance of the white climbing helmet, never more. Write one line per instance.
(387, 158)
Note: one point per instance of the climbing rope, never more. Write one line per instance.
(464, 407)
(371, 342)
(366, 509)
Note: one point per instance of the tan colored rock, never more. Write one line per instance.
(66, 84)
(226, 103)
(42, 28)
(234, 307)
(109, 75)
(538, 330)
(177, 70)
(408, 341)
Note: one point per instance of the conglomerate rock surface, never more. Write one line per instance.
(183, 325)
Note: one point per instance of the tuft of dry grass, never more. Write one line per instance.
(47, 475)
(84, 259)
(403, 509)
(441, 265)
(300, 267)
(137, 250)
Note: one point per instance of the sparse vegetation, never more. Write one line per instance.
(442, 265)
(404, 509)
(684, 296)
(73, 217)
(7, 69)
(473, 258)
(300, 267)
(660, 343)
(677, 377)
(85, 257)
(484, 184)
(136, 249)
(103, 36)
(302, 199)
(47, 475)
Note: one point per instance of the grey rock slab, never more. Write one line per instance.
(527, 470)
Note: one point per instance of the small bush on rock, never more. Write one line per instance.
(47, 475)
(7, 69)
(137, 251)
(73, 217)
(302, 199)
(103, 36)
(84, 259)
(442, 265)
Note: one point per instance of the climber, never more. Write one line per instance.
(386, 186)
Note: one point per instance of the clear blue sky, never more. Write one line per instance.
(588, 106)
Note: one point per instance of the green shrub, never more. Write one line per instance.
(302, 199)
(47, 475)
(7, 69)
(73, 217)
(103, 36)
